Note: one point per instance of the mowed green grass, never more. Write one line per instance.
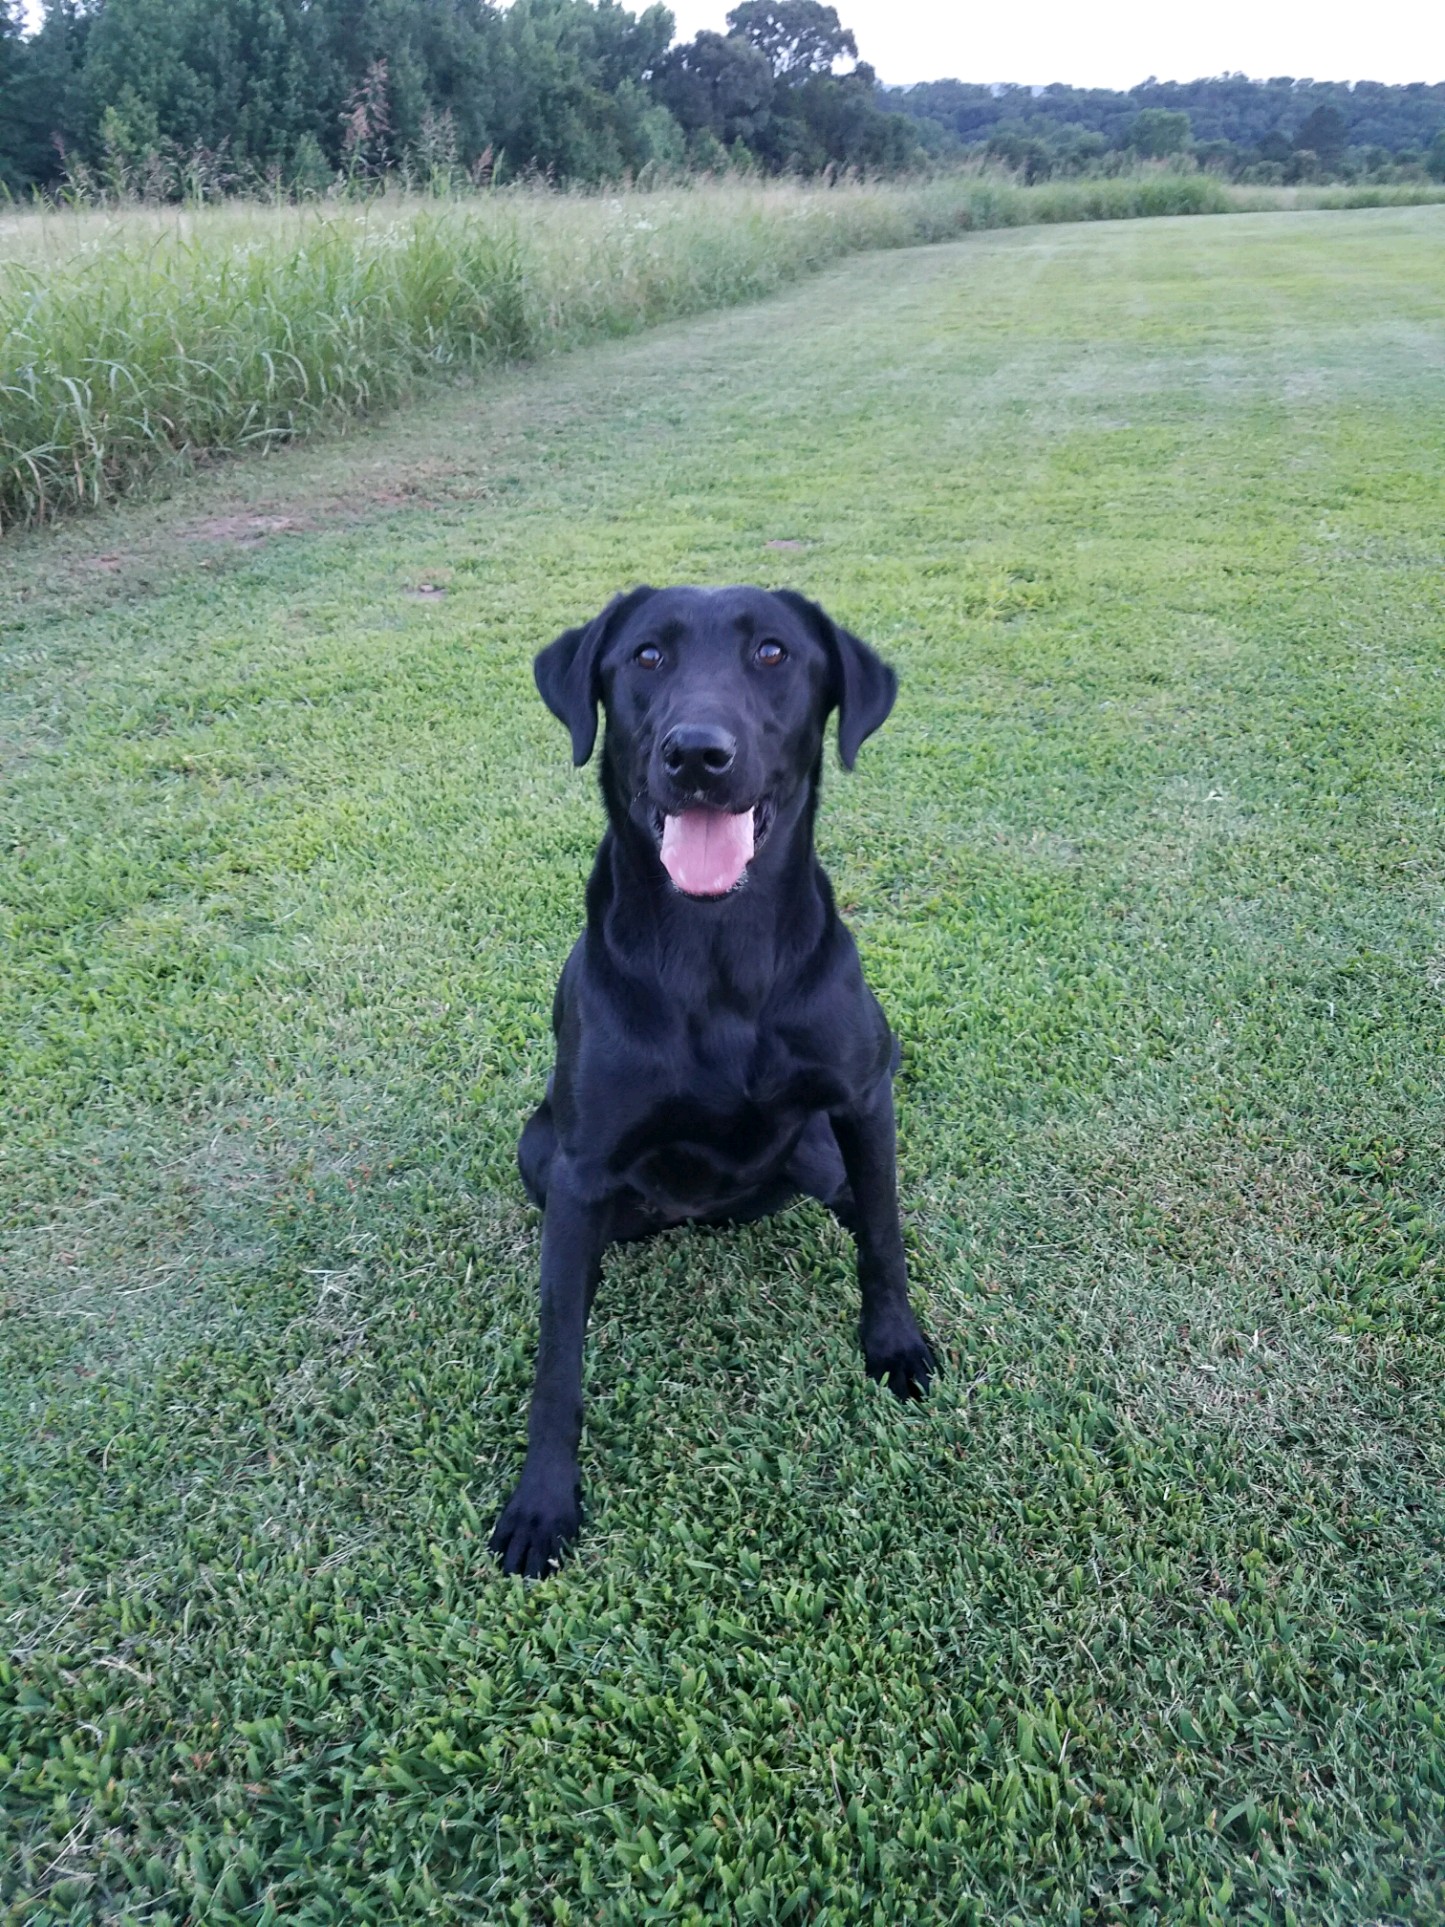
(138, 338)
(1139, 1618)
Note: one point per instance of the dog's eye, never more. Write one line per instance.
(649, 656)
(770, 654)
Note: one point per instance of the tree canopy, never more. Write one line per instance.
(201, 95)
(297, 91)
(796, 37)
(1229, 122)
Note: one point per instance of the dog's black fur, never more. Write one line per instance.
(716, 1056)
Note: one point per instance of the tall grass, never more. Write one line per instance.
(129, 338)
(1338, 195)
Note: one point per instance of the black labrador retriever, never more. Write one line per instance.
(718, 1051)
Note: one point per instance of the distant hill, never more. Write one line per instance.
(1248, 114)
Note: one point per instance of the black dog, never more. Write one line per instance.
(718, 1051)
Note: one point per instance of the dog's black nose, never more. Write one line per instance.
(695, 755)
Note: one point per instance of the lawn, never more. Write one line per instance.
(1141, 1617)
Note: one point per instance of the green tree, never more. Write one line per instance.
(718, 85)
(1220, 157)
(571, 83)
(839, 119)
(817, 117)
(1025, 153)
(14, 144)
(1224, 107)
(1156, 133)
(233, 78)
(41, 121)
(796, 37)
(1323, 132)
(442, 57)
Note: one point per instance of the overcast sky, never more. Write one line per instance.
(1117, 43)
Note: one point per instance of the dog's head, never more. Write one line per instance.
(716, 701)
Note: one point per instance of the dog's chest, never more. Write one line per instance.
(733, 1065)
(696, 1163)
(726, 1120)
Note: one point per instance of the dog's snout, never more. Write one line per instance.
(697, 754)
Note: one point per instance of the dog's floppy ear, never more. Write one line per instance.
(863, 685)
(566, 672)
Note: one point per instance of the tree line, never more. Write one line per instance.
(301, 93)
(173, 97)
(1254, 130)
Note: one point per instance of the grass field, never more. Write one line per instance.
(1139, 1618)
(145, 339)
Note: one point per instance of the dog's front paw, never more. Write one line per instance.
(536, 1523)
(904, 1359)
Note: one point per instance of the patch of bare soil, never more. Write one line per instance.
(247, 530)
(340, 492)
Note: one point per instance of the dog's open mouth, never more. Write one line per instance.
(707, 852)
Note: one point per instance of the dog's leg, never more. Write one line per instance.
(535, 1150)
(545, 1510)
(816, 1169)
(893, 1345)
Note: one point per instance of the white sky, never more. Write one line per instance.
(1117, 43)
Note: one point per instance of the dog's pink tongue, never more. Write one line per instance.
(706, 851)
